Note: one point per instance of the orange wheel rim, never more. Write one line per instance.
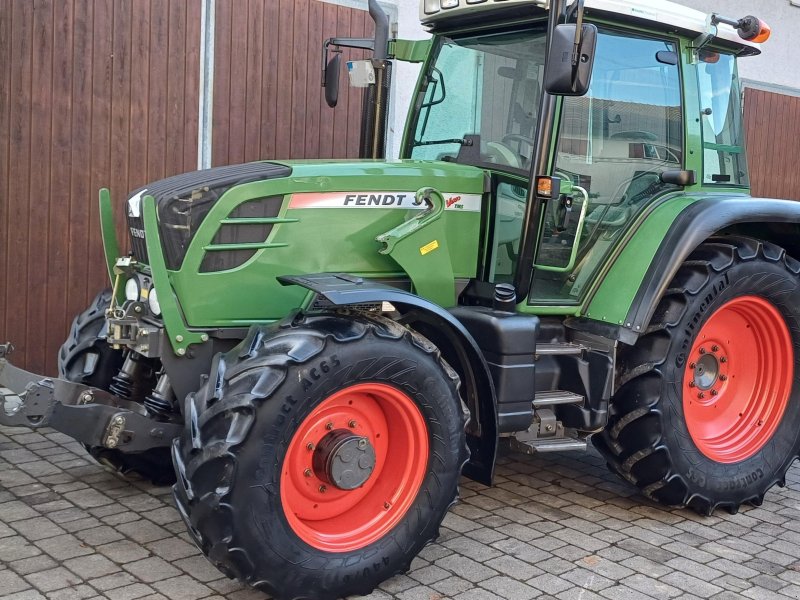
(380, 433)
(738, 378)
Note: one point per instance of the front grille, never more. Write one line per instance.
(242, 233)
(183, 202)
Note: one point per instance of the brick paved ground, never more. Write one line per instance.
(555, 527)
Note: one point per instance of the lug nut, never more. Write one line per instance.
(702, 350)
(352, 424)
(714, 392)
(323, 489)
(386, 505)
(329, 426)
(362, 443)
(723, 378)
(723, 359)
(309, 446)
(691, 384)
(307, 473)
(701, 395)
(715, 348)
(692, 365)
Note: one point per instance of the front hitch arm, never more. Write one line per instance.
(89, 415)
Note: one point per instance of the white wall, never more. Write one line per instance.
(778, 65)
(405, 75)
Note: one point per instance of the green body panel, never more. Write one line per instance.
(179, 337)
(312, 240)
(420, 247)
(413, 51)
(615, 292)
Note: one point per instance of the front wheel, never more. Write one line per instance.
(708, 410)
(320, 457)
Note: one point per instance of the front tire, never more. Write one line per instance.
(321, 455)
(707, 413)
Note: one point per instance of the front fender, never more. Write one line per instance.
(456, 344)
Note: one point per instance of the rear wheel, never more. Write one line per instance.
(708, 409)
(322, 456)
(87, 358)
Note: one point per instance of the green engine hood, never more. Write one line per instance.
(324, 216)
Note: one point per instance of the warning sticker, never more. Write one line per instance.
(427, 248)
(402, 200)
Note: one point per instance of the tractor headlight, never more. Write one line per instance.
(132, 289)
(152, 302)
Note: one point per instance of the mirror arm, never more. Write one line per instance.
(576, 49)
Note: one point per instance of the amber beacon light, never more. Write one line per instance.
(749, 28)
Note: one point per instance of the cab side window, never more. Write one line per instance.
(724, 159)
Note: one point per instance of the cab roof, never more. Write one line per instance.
(661, 14)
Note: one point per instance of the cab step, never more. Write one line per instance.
(554, 397)
(559, 349)
(536, 446)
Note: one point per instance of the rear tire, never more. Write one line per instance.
(87, 358)
(707, 412)
(251, 491)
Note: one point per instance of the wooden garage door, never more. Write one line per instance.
(267, 96)
(772, 123)
(98, 93)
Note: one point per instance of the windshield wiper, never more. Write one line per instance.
(460, 141)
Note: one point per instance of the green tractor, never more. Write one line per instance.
(566, 252)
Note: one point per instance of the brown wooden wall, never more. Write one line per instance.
(772, 123)
(94, 93)
(267, 96)
(98, 93)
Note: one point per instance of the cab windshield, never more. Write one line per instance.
(481, 100)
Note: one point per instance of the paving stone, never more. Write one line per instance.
(91, 566)
(691, 584)
(15, 548)
(512, 589)
(143, 531)
(75, 592)
(53, 579)
(466, 568)
(151, 569)
(10, 582)
(429, 574)
(513, 567)
(16, 511)
(452, 586)
(182, 587)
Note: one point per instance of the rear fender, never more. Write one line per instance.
(777, 221)
(456, 344)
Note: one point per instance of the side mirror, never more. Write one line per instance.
(332, 80)
(571, 60)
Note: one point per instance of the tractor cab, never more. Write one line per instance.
(662, 114)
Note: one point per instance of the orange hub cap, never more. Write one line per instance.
(354, 467)
(738, 379)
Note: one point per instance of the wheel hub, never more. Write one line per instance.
(344, 460)
(706, 371)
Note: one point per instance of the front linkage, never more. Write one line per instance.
(89, 415)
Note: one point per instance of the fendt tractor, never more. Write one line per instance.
(314, 351)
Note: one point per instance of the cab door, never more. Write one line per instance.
(614, 143)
